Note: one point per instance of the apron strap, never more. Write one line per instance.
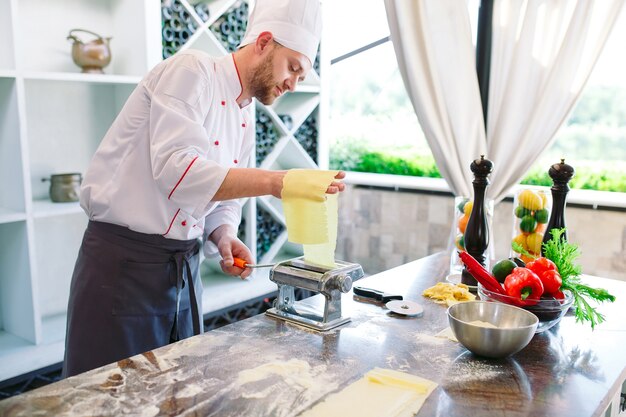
(184, 277)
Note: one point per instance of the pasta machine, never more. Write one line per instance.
(330, 282)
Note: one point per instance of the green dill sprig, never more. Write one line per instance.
(564, 255)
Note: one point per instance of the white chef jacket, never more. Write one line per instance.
(169, 150)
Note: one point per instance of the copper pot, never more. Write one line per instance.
(64, 188)
(93, 55)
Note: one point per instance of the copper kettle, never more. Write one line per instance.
(91, 56)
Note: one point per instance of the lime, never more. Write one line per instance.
(528, 224)
(521, 211)
(542, 216)
(502, 269)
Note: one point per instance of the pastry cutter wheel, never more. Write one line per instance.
(393, 302)
(405, 307)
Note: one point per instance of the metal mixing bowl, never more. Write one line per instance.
(515, 327)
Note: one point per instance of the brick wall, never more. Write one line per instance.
(381, 229)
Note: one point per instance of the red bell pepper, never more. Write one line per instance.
(540, 265)
(551, 281)
(523, 285)
(547, 272)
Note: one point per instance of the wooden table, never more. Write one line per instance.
(566, 371)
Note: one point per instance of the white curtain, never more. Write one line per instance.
(433, 44)
(542, 54)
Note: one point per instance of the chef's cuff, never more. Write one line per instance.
(225, 213)
(209, 249)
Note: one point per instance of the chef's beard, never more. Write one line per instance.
(262, 81)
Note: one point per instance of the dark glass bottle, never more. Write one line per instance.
(477, 231)
(560, 173)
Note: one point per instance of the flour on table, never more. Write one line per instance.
(296, 374)
(447, 333)
(293, 371)
(470, 369)
(423, 338)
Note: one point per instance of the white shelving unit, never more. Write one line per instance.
(52, 118)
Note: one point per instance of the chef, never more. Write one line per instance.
(168, 174)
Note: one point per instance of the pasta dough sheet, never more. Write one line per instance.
(380, 392)
(324, 253)
(310, 214)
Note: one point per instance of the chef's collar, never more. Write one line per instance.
(231, 77)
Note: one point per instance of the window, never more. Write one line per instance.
(373, 126)
(593, 139)
(370, 112)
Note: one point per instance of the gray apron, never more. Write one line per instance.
(130, 293)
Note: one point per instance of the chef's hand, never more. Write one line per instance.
(337, 186)
(229, 247)
(334, 187)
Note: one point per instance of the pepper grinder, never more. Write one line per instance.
(477, 231)
(560, 173)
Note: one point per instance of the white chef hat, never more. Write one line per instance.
(296, 24)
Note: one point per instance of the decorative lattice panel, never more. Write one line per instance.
(231, 27)
(177, 25)
(316, 64)
(241, 231)
(266, 136)
(267, 230)
(307, 136)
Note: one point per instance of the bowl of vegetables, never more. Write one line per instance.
(549, 310)
(547, 285)
(535, 287)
